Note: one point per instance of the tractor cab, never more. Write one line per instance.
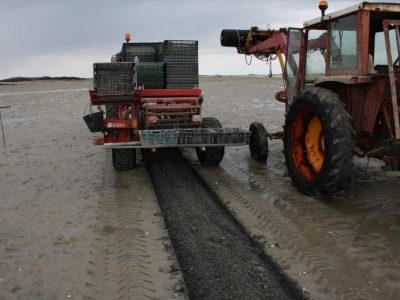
(346, 46)
(355, 53)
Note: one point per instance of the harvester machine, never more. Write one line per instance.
(148, 98)
(342, 90)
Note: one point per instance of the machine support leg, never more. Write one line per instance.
(2, 131)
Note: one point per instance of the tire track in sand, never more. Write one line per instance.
(131, 256)
(268, 217)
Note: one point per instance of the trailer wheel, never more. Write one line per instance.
(318, 142)
(210, 156)
(124, 159)
(258, 142)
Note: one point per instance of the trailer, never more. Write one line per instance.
(132, 116)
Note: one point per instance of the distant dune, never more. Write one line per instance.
(43, 78)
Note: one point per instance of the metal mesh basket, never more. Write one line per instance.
(194, 136)
(209, 136)
(158, 137)
(113, 78)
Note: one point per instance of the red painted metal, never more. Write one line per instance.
(160, 93)
(148, 108)
(120, 123)
(278, 41)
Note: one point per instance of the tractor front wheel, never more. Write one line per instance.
(124, 159)
(210, 156)
(318, 142)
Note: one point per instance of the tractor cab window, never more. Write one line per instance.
(316, 49)
(380, 55)
(343, 48)
(292, 61)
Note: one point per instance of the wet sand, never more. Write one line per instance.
(70, 226)
(344, 248)
(55, 185)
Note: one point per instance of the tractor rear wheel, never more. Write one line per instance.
(318, 142)
(210, 156)
(258, 142)
(124, 159)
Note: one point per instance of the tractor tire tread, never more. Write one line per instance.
(212, 156)
(339, 167)
(124, 159)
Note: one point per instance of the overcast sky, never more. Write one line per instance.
(50, 37)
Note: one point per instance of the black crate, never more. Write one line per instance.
(181, 74)
(177, 51)
(146, 52)
(151, 75)
(94, 121)
(113, 78)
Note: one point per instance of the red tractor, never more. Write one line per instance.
(342, 85)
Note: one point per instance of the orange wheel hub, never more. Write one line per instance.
(308, 144)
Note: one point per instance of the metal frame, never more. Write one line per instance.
(393, 89)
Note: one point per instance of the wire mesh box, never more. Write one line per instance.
(210, 136)
(113, 78)
(161, 137)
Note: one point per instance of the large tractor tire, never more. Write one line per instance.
(210, 156)
(318, 142)
(258, 142)
(124, 159)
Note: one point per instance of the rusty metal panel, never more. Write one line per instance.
(372, 106)
(363, 41)
(365, 6)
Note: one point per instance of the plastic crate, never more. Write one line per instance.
(113, 78)
(146, 52)
(151, 75)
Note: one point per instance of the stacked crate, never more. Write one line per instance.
(172, 64)
(113, 78)
(146, 52)
(150, 74)
(181, 64)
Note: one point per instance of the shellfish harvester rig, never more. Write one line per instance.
(148, 97)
